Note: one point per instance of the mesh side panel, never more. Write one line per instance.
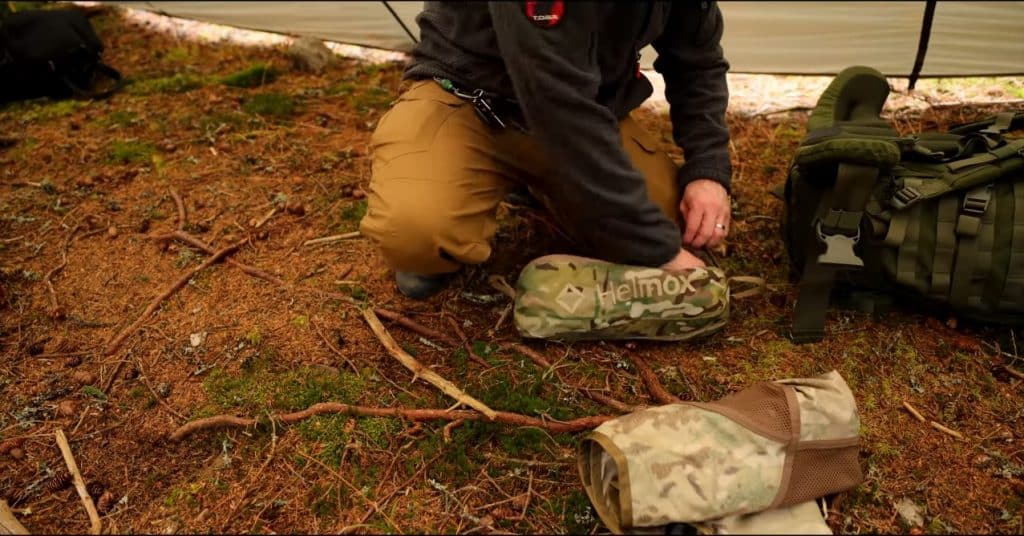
(765, 403)
(819, 472)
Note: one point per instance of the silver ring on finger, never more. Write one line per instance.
(720, 226)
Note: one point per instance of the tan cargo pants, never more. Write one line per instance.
(439, 174)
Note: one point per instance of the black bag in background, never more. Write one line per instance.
(51, 53)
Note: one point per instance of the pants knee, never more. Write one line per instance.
(425, 242)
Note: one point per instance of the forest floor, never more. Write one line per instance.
(269, 157)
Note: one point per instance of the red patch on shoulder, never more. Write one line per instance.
(545, 14)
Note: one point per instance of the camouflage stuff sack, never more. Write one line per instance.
(774, 445)
(571, 298)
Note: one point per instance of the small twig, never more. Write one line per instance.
(465, 343)
(414, 326)
(336, 350)
(182, 216)
(947, 431)
(917, 415)
(9, 524)
(116, 342)
(501, 319)
(206, 248)
(156, 396)
(650, 379)
(265, 218)
(421, 371)
(446, 432)
(69, 459)
(1013, 372)
(333, 238)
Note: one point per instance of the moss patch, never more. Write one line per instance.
(270, 104)
(255, 76)
(129, 152)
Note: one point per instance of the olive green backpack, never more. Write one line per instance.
(935, 219)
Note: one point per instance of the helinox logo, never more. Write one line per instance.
(640, 284)
(653, 284)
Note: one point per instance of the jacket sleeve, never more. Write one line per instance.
(555, 76)
(690, 58)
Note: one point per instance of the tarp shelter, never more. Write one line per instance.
(966, 38)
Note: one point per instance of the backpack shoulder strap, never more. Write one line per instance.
(856, 95)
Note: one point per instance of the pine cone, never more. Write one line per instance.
(105, 503)
(57, 482)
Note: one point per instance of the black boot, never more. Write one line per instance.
(418, 286)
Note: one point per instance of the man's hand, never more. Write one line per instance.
(682, 261)
(705, 209)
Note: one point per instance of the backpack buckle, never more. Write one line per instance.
(976, 202)
(839, 248)
(903, 197)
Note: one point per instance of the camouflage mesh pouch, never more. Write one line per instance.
(773, 445)
(571, 298)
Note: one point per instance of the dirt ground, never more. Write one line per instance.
(239, 135)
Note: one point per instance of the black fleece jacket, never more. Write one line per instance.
(572, 66)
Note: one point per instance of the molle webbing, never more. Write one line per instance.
(1011, 296)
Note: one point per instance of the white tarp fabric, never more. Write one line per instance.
(968, 38)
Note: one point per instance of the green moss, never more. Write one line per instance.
(129, 152)
(300, 321)
(254, 336)
(270, 104)
(351, 215)
(374, 98)
(254, 76)
(179, 83)
(121, 119)
(53, 109)
(576, 512)
(345, 88)
(379, 430)
(329, 432)
(94, 392)
(186, 257)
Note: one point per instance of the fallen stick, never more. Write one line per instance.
(8, 523)
(1013, 372)
(917, 414)
(421, 371)
(947, 431)
(116, 342)
(206, 248)
(333, 238)
(650, 379)
(265, 218)
(69, 459)
(503, 417)
(180, 203)
(414, 326)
